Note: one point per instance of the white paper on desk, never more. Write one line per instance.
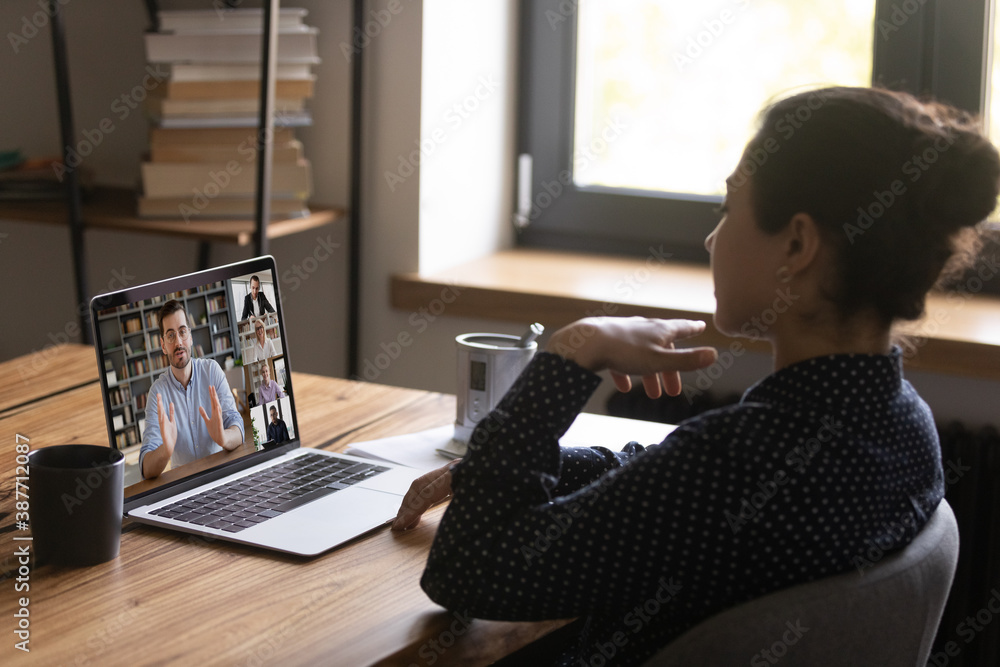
(419, 450)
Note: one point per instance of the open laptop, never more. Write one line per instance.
(269, 491)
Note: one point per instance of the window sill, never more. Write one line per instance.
(960, 335)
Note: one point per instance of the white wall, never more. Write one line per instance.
(453, 206)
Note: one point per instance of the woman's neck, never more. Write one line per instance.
(800, 342)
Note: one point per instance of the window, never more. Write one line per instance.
(633, 112)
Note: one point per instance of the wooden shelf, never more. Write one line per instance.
(960, 335)
(114, 208)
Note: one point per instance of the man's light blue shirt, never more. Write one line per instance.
(193, 440)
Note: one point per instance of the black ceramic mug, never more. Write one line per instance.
(76, 497)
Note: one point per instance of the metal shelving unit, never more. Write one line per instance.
(114, 208)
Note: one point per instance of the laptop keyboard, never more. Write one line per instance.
(247, 501)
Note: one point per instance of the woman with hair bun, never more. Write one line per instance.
(845, 208)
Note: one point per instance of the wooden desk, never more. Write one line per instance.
(172, 598)
(45, 372)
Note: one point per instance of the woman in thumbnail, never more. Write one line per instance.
(263, 347)
(842, 213)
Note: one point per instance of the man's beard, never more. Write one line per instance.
(182, 363)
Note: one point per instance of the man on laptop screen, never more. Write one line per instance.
(182, 430)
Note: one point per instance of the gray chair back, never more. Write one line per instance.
(886, 616)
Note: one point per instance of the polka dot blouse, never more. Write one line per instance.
(821, 468)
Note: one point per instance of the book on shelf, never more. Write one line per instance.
(290, 119)
(216, 303)
(132, 325)
(194, 20)
(126, 438)
(215, 136)
(221, 343)
(240, 45)
(165, 107)
(173, 179)
(222, 89)
(289, 151)
(215, 72)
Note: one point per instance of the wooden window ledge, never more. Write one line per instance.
(960, 334)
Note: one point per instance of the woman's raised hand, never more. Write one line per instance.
(634, 346)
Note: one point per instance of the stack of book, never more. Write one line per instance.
(204, 103)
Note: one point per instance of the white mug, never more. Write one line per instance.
(488, 364)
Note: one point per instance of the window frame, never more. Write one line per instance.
(924, 52)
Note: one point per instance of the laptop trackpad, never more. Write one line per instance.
(354, 503)
(327, 522)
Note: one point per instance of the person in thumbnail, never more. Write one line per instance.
(263, 347)
(269, 390)
(256, 299)
(277, 431)
(179, 429)
(833, 229)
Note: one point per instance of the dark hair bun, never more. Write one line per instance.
(892, 180)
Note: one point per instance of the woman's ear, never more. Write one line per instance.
(803, 242)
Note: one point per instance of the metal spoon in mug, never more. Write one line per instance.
(533, 332)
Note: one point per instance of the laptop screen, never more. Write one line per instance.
(195, 373)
